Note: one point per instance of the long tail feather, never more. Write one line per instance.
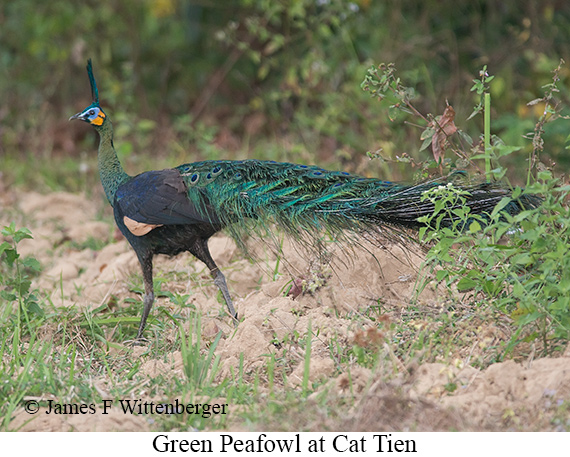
(302, 199)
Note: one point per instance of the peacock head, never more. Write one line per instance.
(93, 114)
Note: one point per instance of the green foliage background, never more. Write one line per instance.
(190, 79)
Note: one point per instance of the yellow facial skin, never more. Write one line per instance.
(99, 119)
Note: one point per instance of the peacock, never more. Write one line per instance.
(179, 209)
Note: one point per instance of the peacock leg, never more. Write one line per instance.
(220, 281)
(200, 251)
(146, 265)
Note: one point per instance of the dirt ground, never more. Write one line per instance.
(504, 396)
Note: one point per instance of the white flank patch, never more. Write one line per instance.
(138, 228)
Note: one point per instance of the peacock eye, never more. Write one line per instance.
(92, 112)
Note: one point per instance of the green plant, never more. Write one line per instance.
(481, 86)
(200, 369)
(382, 83)
(16, 277)
(518, 264)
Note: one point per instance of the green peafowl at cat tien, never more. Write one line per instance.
(179, 209)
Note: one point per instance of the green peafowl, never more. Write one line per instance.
(179, 209)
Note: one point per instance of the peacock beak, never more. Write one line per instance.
(76, 116)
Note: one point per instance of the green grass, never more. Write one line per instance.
(73, 354)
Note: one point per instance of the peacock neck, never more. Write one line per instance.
(110, 170)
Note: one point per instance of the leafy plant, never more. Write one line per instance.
(16, 278)
(382, 83)
(518, 264)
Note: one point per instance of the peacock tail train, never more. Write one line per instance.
(300, 199)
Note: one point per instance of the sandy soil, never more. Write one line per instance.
(504, 396)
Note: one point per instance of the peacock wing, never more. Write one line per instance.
(158, 198)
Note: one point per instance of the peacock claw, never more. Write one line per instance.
(139, 341)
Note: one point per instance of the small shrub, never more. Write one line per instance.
(17, 273)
